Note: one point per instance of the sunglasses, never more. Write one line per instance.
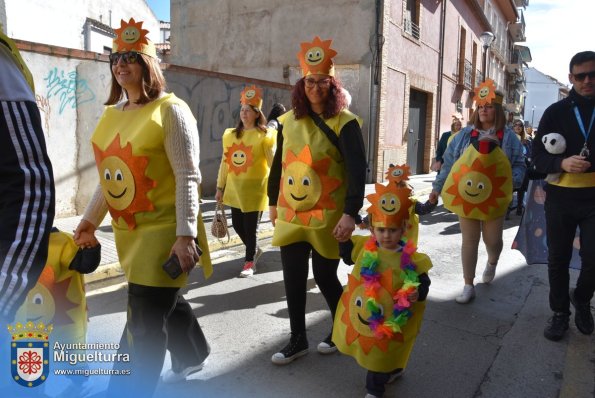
(127, 58)
(581, 76)
(322, 83)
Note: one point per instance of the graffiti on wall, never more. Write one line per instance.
(43, 103)
(216, 105)
(69, 90)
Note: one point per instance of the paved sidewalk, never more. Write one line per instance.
(110, 267)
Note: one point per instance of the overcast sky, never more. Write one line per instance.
(556, 30)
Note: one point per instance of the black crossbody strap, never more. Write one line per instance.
(330, 134)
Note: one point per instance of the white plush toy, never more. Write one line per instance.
(555, 144)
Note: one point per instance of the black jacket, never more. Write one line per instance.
(560, 118)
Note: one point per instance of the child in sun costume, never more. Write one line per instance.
(399, 175)
(382, 306)
(312, 198)
(147, 154)
(58, 298)
(481, 166)
(248, 151)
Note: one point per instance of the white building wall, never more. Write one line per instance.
(543, 90)
(61, 23)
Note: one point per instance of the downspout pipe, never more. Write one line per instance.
(376, 69)
(440, 70)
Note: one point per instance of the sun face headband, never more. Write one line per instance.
(316, 57)
(486, 94)
(132, 37)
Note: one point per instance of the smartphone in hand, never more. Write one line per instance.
(172, 267)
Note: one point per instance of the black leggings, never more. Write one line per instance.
(294, 258)
(245, 225)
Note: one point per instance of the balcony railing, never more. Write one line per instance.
(466, 78)
(411, 28)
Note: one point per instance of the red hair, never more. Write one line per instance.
(336, 100)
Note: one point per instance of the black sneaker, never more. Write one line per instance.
(557, 326)
(327, 346)
(297, 347)
(583, 317)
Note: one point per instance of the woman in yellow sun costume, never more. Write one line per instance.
(381, 309)
(481, 166)
(248, 151)
(147, 154)
(316, 188)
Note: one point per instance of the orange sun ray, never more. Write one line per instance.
(59, 291)
(239, 158)
(327, 185)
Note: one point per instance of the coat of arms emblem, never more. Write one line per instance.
(30, 353)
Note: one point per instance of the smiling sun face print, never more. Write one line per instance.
(389, 205)
(123, 181)
(239, 158)
(485, 93)
(130, 36)
(477, 187)
(356, 312)
(398, 173)
(47, 302)
(316, 57)
(306, 187)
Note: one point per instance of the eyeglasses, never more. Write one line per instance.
(130, 57)
(581, 76)
(322, 83)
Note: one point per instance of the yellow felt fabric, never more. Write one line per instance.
(479, 186)
(313, 184)
(142, 201)
(58, 298)
(355, 338)
(247, 168)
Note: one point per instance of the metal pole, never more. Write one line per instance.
(485, 62)
(532, 115)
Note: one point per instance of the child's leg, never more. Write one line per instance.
(375, 382)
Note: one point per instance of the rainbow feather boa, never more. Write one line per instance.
(383, 326)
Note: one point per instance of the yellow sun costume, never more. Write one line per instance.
(313, 185)
(246, 161)
(58, 298)
(375, 322)
(479, 185)
(135, 177)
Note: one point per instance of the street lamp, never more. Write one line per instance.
(486, 39)
(532, 115)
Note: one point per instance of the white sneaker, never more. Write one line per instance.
(370, 396)
(248, 270)
(172, 377)
(327, 346)
(395, 375)
(467, 295)
(489, 272)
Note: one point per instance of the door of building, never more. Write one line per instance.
(416, 133)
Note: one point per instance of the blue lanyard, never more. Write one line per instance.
(580, 122)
